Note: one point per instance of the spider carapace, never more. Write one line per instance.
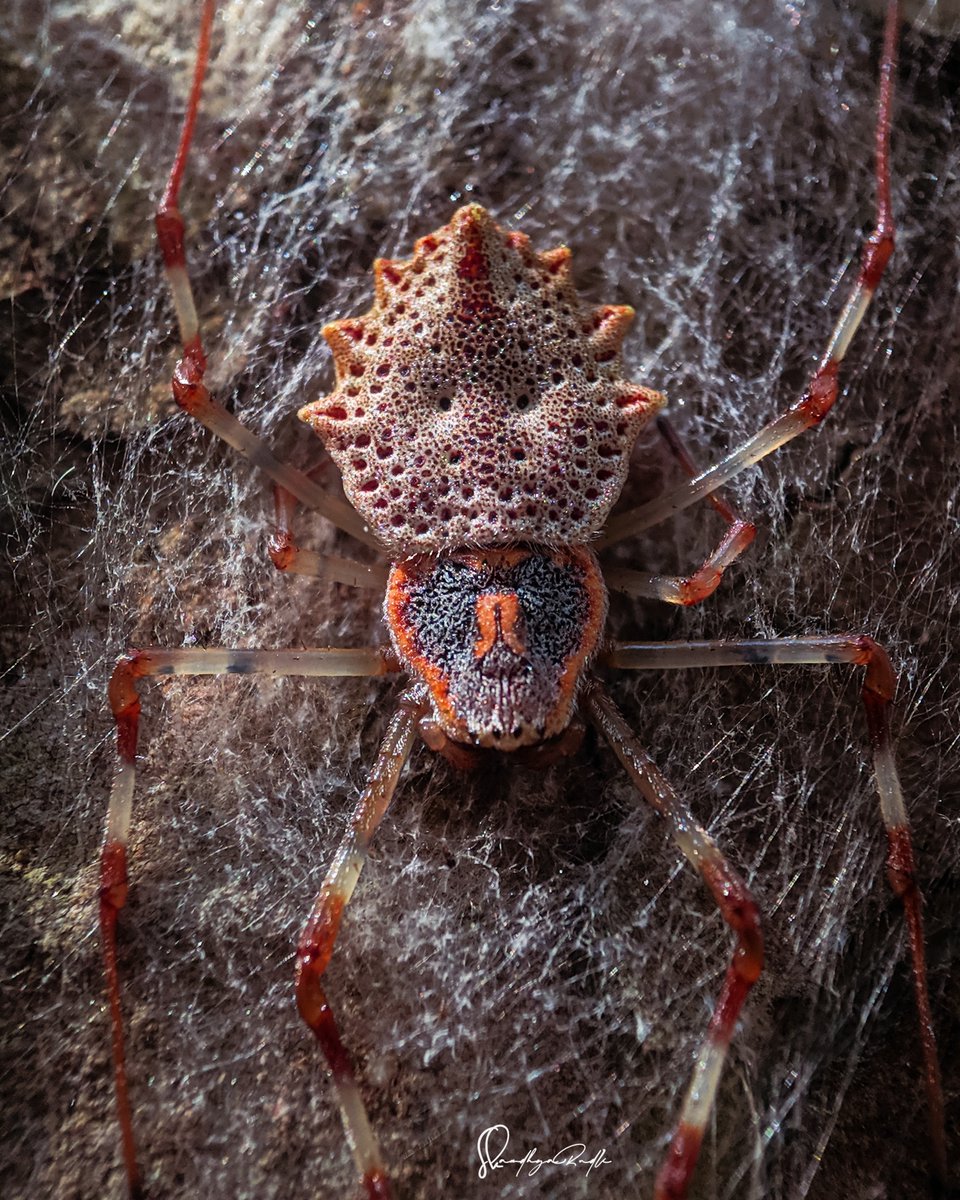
(483, 431)
(500, 637)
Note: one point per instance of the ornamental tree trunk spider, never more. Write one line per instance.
(623, 899)
(483, 432)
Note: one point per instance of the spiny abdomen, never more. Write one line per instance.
(477, 402)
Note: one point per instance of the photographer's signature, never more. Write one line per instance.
(492, 1148)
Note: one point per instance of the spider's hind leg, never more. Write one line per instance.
(823, 387)
(189, 390)
(691, 589)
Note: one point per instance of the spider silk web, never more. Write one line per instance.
(524, 948)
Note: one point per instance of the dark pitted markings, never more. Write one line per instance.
(441, 609)
(555, 605)
(441, 612)
(500, 637)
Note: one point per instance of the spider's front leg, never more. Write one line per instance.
(879, 687)
(738, 909)
(125, 703)
(320, 934)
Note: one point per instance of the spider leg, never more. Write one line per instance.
(878, 691)
(705, 580)
(319, 935)
(188, 386)
(738, 909)
(821, 392)
(125, 703)
(287, 555)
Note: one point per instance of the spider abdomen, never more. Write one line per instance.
(479, 402)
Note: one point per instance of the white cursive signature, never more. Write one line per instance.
(492, 1145)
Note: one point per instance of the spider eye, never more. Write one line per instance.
(444, 403)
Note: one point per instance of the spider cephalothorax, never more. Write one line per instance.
(478, 402)
(500, 637)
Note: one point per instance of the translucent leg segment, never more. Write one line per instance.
(320, 934)
(879, 687)
(738, 909)
(287, 555)
(706, 579)
(822, 389)
(125, 703)
(188, 387)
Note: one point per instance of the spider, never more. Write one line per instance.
(495, 600)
